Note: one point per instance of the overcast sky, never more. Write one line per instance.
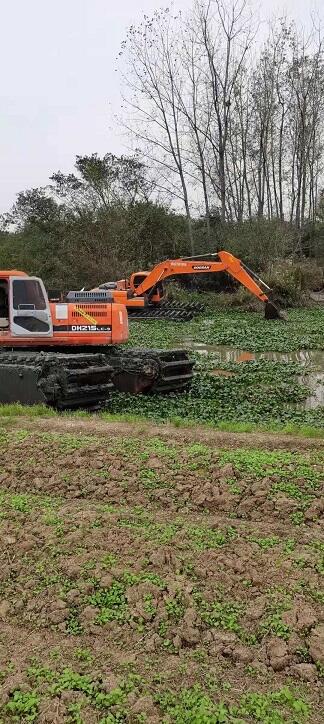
(59, 88)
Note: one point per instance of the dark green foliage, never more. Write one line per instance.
(84, 250)
(100, 223)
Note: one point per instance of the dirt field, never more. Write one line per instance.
(159, 575)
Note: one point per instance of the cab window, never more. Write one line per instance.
(27, 294)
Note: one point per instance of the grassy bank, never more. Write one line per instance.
(12, 413)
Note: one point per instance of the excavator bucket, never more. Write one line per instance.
(271, 311)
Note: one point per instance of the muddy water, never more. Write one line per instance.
(311, 360)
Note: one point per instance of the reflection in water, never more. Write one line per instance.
(312, 360)
(245, 357)
(315, 382)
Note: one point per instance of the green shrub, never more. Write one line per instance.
(291, 281)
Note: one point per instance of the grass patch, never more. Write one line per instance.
(17, 410)
(208, 538)
(112, 602)
(221, 614)
(194, 706)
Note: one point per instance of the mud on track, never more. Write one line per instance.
(150, 574)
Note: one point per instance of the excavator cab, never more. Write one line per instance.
(24, 307)
(137, 279)
(155, 294)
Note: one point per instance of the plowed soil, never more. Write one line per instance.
(159, 575)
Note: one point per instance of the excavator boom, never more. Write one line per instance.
(228, 263)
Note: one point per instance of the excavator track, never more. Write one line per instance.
(176, 371)
(168, 311)
(61, 380)
(67, 380)
(151, 370)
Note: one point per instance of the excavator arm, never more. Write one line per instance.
(226, 263)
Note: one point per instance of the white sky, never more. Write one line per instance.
(59, 88)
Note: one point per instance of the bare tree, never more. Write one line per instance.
(262, 127)
(226, 37)
(306, 106)
(239, 192)
(154, 81)
(196, 112)
(235, 132)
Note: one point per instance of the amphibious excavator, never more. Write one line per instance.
(68, 354)
(145, 297)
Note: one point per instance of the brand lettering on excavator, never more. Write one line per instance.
(89, 328)
(82, 328)
(201, 267)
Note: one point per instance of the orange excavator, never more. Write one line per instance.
(144, 292)
(67, 354)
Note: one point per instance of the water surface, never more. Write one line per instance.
(311, 360)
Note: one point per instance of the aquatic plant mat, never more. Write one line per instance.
(248, 370)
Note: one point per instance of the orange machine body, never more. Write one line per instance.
(28, 319)
(127, 298)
